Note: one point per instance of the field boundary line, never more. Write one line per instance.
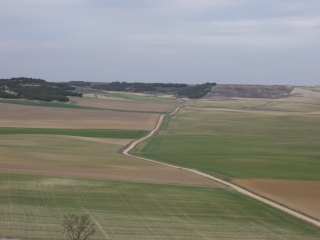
(127, 150)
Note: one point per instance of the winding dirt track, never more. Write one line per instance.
(127, 151)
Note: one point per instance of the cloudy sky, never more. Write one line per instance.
(191, 41)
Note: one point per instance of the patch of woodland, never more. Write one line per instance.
(36, 89)
(139, 87)
(196, 91)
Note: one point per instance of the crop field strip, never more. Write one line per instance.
(35, 117)
(82, 157)
(95, 133)
(71, 106)
(101, 101)
(32, 208)
(142, 98)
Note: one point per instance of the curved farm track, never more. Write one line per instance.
(129, 149)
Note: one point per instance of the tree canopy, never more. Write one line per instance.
(36, 89)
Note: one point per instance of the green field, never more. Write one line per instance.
(98, 133)
(231, 143)
(45, 104)
(32, 207)
(141, 98)
(238, 157)
(52, 149)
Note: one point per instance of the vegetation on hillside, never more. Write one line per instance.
(38, 89)
(79, 83)
(139, 87)
(197, 91)
(35, 89)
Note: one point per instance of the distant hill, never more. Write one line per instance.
(36, 89)
(250, 91)
(180, 89)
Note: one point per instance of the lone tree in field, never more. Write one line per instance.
(77, 227)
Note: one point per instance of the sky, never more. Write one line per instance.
(181, 41)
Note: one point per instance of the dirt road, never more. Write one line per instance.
(134, 144)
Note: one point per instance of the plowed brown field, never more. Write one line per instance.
(303, 196)
(47, 117)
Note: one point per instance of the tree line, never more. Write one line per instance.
(35, 89)
(137, 86)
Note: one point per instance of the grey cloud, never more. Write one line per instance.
(245, 41)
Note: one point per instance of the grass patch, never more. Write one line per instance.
(45, 104)
(98, 133)
(32, 207)
(52, 150)
(141, 98)
(239, 157)
(135, 111)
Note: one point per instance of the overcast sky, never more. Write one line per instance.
(190, 41)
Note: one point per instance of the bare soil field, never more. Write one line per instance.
(77, 157)
(98, 101)
(250, 91)
(303, 196)
(44, 117)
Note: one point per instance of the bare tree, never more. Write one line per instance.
(77, 227)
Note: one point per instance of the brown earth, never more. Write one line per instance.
(120, 104)
(47, 117)
(303, 196)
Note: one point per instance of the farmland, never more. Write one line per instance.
(99, 133)
(71, 156)
(21, 116)
(33, 206)
(278, 140)
(55, 161)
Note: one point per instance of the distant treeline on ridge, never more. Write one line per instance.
(137, 86)
(39, 89)
(181, 89)
(35, 89)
